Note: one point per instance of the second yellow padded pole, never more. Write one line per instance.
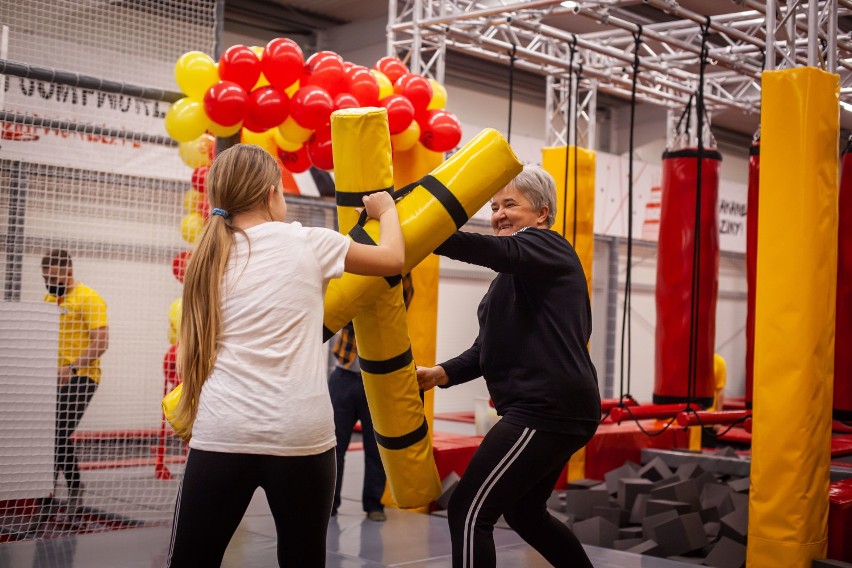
(794, 318)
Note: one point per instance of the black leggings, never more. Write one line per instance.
(72, 399)
(512, 474)
(216, 491)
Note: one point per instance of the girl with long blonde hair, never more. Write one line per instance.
(255, 398)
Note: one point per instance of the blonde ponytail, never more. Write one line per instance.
(237, 181)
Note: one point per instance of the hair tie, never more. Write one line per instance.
(221, 212)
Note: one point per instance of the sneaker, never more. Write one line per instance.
(377, 516)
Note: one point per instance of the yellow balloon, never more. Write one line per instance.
(261, 81)
(224, 131)
(186, 120)
(283, 143)
(406, 139)
(258, 50)
(195, 72)
(193, 201)
(291, 131)
(385, 85)
(175, 315)
(439, 95)
(291, 90)
(191, 226)
(265, 140)
(198, 152)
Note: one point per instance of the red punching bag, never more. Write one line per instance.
(751, 262)
(674, 293)
(843, 329)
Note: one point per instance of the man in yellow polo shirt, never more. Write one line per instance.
(83, 338)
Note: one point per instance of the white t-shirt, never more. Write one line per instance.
(268, 392)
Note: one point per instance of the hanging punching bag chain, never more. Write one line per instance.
(625, 316)
(569, 116)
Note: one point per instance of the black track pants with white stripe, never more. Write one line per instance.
(512, 474)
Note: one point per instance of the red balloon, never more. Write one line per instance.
(392, 66)
(170, 365)
(267, 107)
(363, 85)
(240, 65)
(325, 69)
(416, 89)
(441, 132)
(297, 161)
(225, 103)
(199, 178)
(345, 100)
(311, 107)
(282, 62)
(400, 112)
(179, 263)
(319, 148)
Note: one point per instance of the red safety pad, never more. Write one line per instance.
(615, 444)
(674, 290)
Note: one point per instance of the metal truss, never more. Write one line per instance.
(762, 35)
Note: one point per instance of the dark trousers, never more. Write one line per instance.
(350, 405)
(72, 399)
(512, 474)
(216, 491)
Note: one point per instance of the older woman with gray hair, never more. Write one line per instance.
(534, 325)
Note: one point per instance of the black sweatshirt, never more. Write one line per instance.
(534, 325)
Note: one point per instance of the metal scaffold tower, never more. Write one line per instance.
(752, 36)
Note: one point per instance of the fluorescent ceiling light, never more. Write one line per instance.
(570, 4)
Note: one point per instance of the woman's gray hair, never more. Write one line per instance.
(539, 187)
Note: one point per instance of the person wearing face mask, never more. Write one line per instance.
(83, 339)
(534, 325)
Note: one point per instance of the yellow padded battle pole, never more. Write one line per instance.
(362, 153)
(553, 160)
(794, 318)
(432, 211)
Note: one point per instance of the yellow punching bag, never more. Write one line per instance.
(581, 235)
(794, 318)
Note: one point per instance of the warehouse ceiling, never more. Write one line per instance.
(480, 35)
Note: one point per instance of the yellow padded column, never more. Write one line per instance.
(794, 318)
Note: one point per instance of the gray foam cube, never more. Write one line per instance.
(649, 524)
(625, 543)
(689, 470)
(630, 532)
(580, 502)
(685, 491)
(681, 535)
(629, 488)
(596, 532)
(648, 548)
(735, 526)
(616, 516)
(655, 470)
(637, 513)
(448, 485)
(583, 483)
(629, 469)
(726, 554)
(657, 506)
(556, 501)
(825, 563)
(740, 485)
(714, 494)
